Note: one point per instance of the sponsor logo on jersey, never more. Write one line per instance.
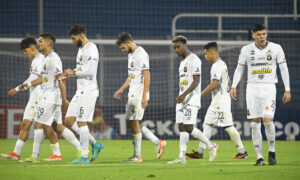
(252, 58)
(45, 79)
(185, 69)
(252, 52)
(259, 64)
(262, 71)
(79, 69)
(184, 82)
(131, 65)
(131, 76)
(269, 57)
(261, 58)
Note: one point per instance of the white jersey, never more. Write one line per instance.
(35, 71)
(220, 95)
(262, 62)
(189, 67)
(138, 61)
(52, 67)
(86, 70)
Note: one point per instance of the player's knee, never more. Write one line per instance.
(70, 121)
(60, 128)
(188, 128)
(25, 125)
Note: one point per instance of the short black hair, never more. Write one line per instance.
(258, 27)
(124, 37)
(77, 29)
(49, 36)
(179, 38)
(211, 45)
(26, 42)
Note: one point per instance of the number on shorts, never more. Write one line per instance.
(81, 111)
(132, 109)
(220, 115)
(40, 112)
(188, 112)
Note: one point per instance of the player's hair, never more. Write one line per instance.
(211, 45)
(77, 29)
(124, 37)
(258, 27)
(48, 36)
(26, 42)
(179, 38)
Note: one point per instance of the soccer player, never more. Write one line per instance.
(188, 101)
(138, 82)
(82, 106)
(261, 57)
(219, 111)
(49, 108)
(29, 47)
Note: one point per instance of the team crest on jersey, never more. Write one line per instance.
(185, 69)
(269, 57)
(252, 52)
(261, 76)
(131, 65)
(267, 108)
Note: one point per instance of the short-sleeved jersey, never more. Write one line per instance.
(36, 69)
(262, 62)
(87, 61)
(51, 68)
(138, 61)
(189, 67)
(220, 95)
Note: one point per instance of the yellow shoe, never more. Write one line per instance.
(31, 160)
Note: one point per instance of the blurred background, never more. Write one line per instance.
(152, 24)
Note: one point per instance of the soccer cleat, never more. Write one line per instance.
(134, 159)
(272, 158)
(96, 149)
(54, 158)
(11, 156)
(178, 160)
(31, 160)
(160, 148)
(260, 162)
(213, 152)
(241, 156)
(194, 155)
(80, 160)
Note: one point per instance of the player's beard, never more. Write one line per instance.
(129, 50)
(79, 43)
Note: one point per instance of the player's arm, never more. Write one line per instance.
(196, 80)
(62, 87)
(32, 77)
(125, 85)
(284, 74)
(213, 85)
(36, 82)
(238, 73)
(147, 76)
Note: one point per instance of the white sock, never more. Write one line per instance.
(84, 140)
(137, 143)
(19, 146)
(37, 142)
(76, 129)
(183, 141)
(207, 131)
(199, 135)
(257, 139)
(270, 133)
(236, 139)
(69, 136)
(55, 149)
(149, 135)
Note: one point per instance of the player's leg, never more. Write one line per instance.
(236, 139)
(136, 141)
(254, 113)
(268, 115)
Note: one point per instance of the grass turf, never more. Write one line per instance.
(110, 166)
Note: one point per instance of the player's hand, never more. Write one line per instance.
(180, 98)
(69, 72)
(23, 87)
(118, 94)
(286, 97)
(12, 92)
(145, 102)
(233, 93)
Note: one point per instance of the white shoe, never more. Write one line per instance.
(178, 161)
(160, 148)
(213, 152)
(134, 159)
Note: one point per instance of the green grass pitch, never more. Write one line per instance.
(110, 166)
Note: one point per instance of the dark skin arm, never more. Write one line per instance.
(196, 80)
